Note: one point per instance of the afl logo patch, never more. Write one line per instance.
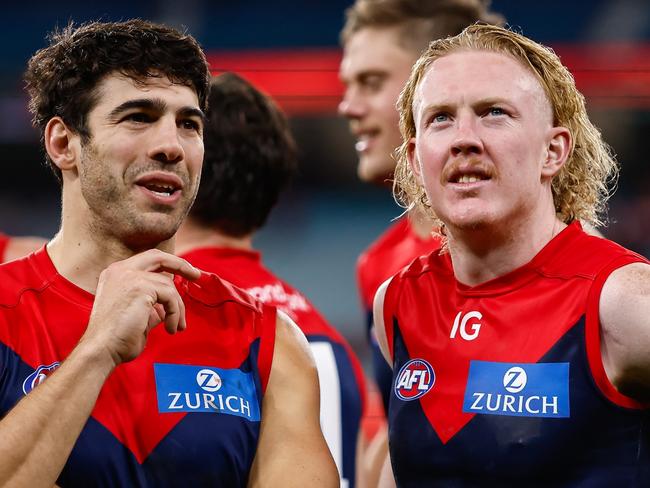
(414, 380)
(38, 376)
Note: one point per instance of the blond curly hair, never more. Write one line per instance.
(582, 187)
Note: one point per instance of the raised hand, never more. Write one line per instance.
(133, 296)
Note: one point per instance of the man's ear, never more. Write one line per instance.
(412, 158)
(62, 144)
(557, 151)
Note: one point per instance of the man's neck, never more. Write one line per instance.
(81, 259)
(481, 255)
(193, 235)
(80, 252)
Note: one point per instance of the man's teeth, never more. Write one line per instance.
(361, 145)
(468, 179)
(161, 190)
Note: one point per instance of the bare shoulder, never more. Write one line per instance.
(625, 327)
(625, 285)
(291, 346)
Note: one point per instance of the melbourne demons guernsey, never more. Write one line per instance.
(340, 375)
(502, 384)
(4, 240)
(186, 412)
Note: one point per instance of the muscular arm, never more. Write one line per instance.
(625, 329)
(38, 434)
(292, 451)
(36, 437)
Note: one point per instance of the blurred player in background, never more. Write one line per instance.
(521, 355)
(381, 41)
(15, 247)
(250, 156)
(231, 400)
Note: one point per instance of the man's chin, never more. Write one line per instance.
(150, 234)
(375, 170)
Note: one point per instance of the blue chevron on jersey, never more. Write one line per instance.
(189, 388)
(518, 389)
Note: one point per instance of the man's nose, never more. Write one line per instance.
(467, 139)
(352, 106)
(166, 146)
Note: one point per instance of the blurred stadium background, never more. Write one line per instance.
(290, 50)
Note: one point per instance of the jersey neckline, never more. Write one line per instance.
(44, 267)
(524, 274)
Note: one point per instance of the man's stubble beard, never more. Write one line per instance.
(112, 209)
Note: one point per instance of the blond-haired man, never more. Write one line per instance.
(519, 355)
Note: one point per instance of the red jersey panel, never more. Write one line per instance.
(4, 240)
(185, 412)
(502, 383)
(394, 249)
(340, 374)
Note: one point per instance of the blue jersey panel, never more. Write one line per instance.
(598, 445)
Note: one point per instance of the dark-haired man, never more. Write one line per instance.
(233, 399)
(249, 158)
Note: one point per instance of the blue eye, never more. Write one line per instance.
(439, 118)
(496, 111)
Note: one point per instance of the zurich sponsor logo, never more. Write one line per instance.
(38, 376)
(414, 380)
(208, 379)
(519, 390)
(186, 388)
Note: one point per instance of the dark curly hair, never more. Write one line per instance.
(62, 78)
(250, 157)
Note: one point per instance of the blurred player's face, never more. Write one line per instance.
(484, 132)
(374, 69)
(139, 172)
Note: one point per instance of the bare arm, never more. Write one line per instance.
(625, 322)
(379, 328)
(37, 435)
(292, 451)
(371, 460)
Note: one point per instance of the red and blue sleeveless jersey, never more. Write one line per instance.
(502, 384)
(4, 240)
(186, 412)
(340, 375)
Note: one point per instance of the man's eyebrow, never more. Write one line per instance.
(435, 108)
(151, 104)
(154, 105)
(192, 112)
